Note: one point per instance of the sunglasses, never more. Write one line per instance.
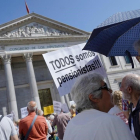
(103, 87)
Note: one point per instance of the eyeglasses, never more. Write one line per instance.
(103, 87)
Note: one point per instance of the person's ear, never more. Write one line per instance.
(91, 98)
(129, 89)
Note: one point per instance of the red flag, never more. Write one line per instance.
(27, 7)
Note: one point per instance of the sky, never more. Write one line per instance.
(82, 14)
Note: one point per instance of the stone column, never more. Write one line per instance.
(67, 100)
(32, 79)
(12, 103)
(62, 99)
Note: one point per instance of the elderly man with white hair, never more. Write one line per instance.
(130, 87)
(39, 130)
(93, 100)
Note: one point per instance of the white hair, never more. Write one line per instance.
(132, 80)
(31, 108)
(137, 45)
(84, 86)
(39, 112)
(51, 117)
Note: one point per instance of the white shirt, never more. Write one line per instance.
(49, 128)
(114, 110)
(95, 125)
(7, 128)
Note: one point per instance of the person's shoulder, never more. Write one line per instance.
(24, 119)
(66, 114)
(41, 118)
(6, 119)
(111, 110)
(114, 110)
(63, 115)
(109, 118)
(101, 115)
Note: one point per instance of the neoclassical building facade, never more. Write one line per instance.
(23, 71)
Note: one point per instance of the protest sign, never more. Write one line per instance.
(11, 116)
(24, 112)
(57, 107)
(69, 64)
(48, 110)
(65, 108)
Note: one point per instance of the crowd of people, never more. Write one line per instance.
(98, 114)
(103, 115)
(36, 125)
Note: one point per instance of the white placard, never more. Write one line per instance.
(24, 112)
(66, 65)
(65, 108)
(11, 116)
(57, 107)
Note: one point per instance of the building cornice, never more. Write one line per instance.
(38, 40)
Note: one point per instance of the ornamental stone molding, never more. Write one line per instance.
(33, 30)
(6, 59)
(28, 57)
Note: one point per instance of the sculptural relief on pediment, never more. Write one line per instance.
(32, 30)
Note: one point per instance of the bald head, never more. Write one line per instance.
(31, 106)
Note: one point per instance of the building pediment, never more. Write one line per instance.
(34, 25)
(34, 30)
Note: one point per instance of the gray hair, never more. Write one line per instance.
(137, 45)
(84, 86)
(31, 108)
(51, 117)
(132, 80)
(39, 112)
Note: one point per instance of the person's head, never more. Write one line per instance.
(137, 46)
(39, 112)
(51, 117)
(117, 99)
(47, 117)
(130, 87)
(91, 92)
(73, 109)
(31, 106)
